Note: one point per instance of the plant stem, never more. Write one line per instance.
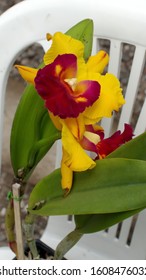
(9, 224)
(10, 219)
(18, 225)
(66, 244)
(29, 232)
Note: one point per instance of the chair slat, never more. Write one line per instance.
(124, 232)
(141, 124)
(133, 84)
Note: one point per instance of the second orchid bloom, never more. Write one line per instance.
(77, 96)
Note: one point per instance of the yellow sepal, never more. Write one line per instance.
(27, 73)
(67, 174)
(76, 126)
(76, 158)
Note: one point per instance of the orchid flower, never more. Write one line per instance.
(77, 96)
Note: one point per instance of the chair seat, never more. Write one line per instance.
(6, 253)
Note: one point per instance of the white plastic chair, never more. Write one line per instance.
(120, 22)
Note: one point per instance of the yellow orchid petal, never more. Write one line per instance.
(56, 121)
(63, 44)
(27, 73)
(86, 73)
(98, 62)
(67, 173)
(76, 126)
(76, 157)
(111, 99)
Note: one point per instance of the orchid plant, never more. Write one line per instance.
(66, 98)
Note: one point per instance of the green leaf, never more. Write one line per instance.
(96, 222)
(31, 127)
(133, 149)
(83, 31)
(114, 185)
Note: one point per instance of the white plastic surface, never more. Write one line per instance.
(118, 21)
(6, 253)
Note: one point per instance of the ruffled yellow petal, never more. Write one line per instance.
(98, 62)
(27, 73)
(111, 99)
(76, 158)
(63, 44)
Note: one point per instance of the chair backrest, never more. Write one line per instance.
(120, 22)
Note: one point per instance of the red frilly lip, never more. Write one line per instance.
(61, 97)
(108, 145)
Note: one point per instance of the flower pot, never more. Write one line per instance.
(44, 251)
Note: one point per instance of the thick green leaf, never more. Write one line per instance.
(96, 222)
(134, 149)
(31, 124)
(114, 185)
(83, 31)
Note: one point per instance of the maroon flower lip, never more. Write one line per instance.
(57, 84)
(108, 145)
